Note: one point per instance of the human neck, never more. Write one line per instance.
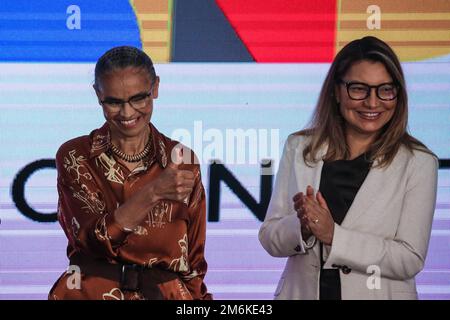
(358, 143)
(131, 145)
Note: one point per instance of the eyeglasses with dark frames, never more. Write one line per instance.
(360, 91)
(137, 102)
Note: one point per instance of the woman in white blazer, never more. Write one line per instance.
(354, 196)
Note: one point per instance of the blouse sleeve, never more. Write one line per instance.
(196, 242)
(82, 211)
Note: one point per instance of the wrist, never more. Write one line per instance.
(329, 240)
(120, 220)
(332, 234)
(152, 195)
(310, 242)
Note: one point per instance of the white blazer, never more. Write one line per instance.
(382, 241)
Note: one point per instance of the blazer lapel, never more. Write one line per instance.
(371, 188)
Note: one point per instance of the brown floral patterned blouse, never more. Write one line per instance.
(91, 185)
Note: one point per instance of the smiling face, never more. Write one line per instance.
(366, 117)
(123, 85)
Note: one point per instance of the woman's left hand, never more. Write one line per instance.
(318, 215)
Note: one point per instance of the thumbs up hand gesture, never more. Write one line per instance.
(174, 183)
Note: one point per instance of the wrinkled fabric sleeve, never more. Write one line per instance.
(196, 241)
(280, 234)
(82, 212)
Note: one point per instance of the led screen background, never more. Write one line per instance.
(213, 79)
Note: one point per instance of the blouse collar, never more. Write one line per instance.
(101, 140)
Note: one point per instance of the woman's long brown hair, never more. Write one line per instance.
(327, 126)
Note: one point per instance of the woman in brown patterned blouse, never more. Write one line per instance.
(134, 214)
